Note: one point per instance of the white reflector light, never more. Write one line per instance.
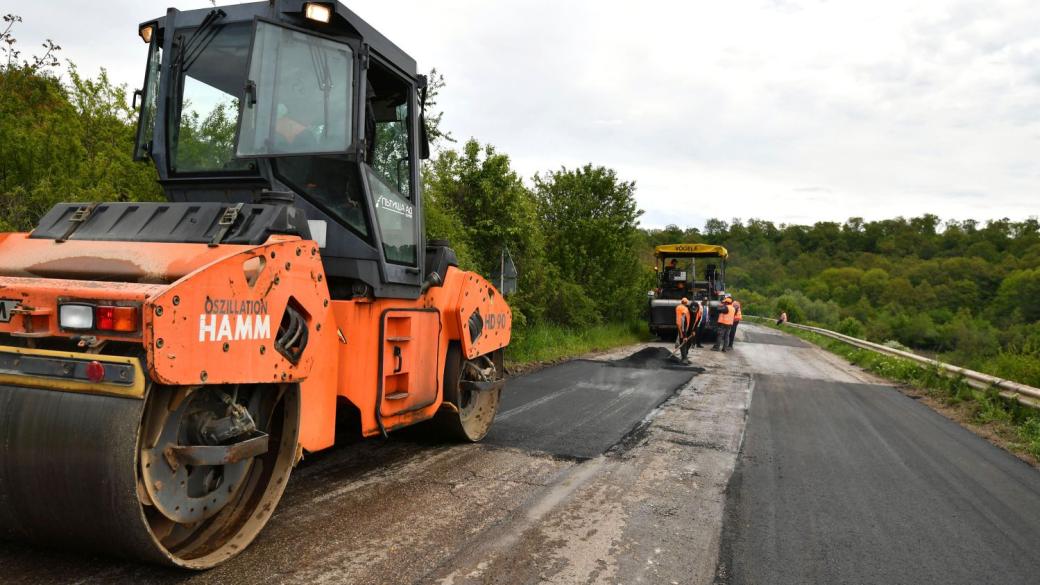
(319, 12)
(319, 231)
(76, 316)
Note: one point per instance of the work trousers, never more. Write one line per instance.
(721, 337)
(733, 333)
(684, 347)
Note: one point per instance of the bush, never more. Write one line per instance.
(792, 303)
(571, 306)
(969, 337)
(851, 326)
(1020, 292)
(915, 330)
(753, 303)
(801, 308)
(822, 312)
(65, 142)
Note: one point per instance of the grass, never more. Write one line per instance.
(547, 342)
(1018, 425)
(1010, 365)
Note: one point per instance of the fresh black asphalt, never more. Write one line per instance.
(581, 408)
(855, 483)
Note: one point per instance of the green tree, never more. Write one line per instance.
(1019, 295)
(590, 216)
(62, 141)
(850, 326)
(435, 131)
(481, 202)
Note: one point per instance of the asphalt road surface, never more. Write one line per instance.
(842, 482)
(582, 408)
(619, 469)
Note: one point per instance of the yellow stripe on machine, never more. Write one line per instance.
(20, 366)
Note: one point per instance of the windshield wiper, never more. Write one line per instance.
(199, 40)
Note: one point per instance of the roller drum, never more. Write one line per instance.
(71, 472)
(68, 471)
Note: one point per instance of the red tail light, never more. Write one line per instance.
(123, 319)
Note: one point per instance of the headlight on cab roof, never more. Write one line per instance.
(318, 12)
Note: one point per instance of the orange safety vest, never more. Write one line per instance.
(682, 317)
(727, 317)
(739, 315)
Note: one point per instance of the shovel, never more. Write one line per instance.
(678, 343)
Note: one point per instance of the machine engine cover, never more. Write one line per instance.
(195, 223)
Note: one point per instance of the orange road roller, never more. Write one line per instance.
(163, 366)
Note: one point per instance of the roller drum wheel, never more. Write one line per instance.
(91, 472)
(471, 413)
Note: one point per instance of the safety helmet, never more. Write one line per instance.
(728, 300)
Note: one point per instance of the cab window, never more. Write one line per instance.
(396, 216)
(149, 101)
(210, 69)
(298, 94)
(329, 182)
(387, 128)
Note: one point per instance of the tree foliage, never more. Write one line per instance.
(476, 201)
(434, 117)
(591, 218)
(62, 139)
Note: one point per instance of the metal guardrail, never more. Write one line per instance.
(1026, 395)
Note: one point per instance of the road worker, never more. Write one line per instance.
(699, 317)
(671, 272)
(726, 314)
(737, 316)
(685, 322)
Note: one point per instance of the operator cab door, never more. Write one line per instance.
(390, 167)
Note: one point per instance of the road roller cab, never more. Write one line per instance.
(164, 365)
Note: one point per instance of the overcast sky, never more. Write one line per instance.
(790, 110)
